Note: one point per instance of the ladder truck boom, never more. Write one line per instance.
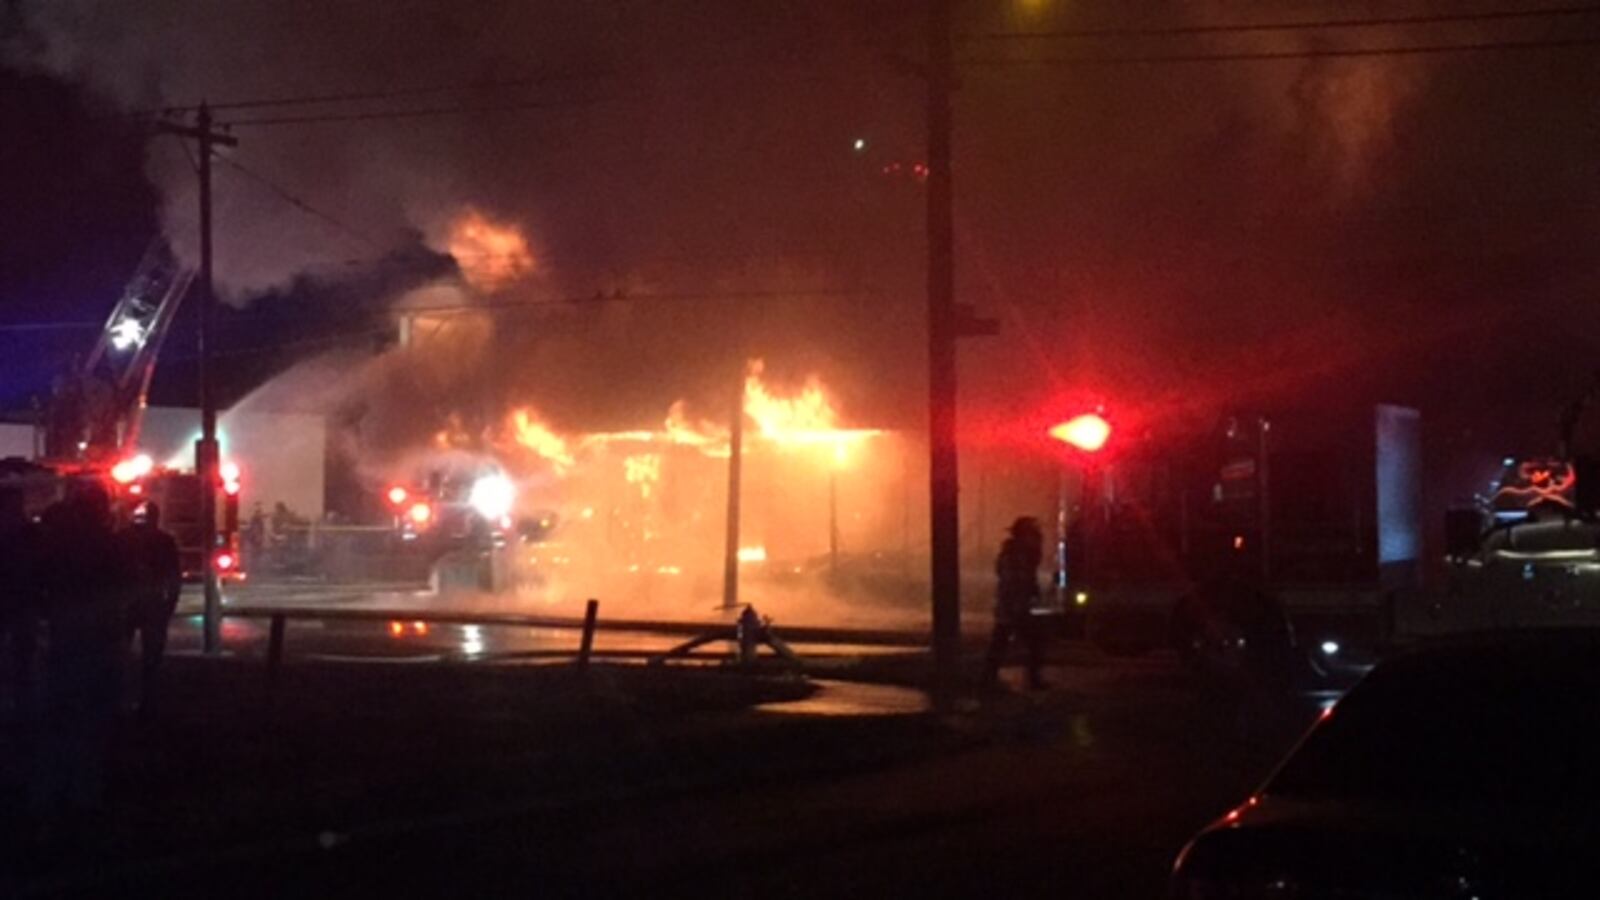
(98, 405)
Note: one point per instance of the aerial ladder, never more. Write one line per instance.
(97, 405)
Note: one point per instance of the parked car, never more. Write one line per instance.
(1467, 770)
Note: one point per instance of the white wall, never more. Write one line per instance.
(16, 440)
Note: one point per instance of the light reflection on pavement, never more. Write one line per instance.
(849, 698)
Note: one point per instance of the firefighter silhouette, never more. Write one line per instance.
(1016, 593)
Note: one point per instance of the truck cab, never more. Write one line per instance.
(1285, 536)
(1528, 557)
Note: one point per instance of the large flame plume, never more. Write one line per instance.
(492, 255)
(787, 421)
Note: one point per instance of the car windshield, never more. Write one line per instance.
(1510, 728)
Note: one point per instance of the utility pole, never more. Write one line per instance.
(206, 455)
(947, 322)
(730, 559)
(833, 519)
(944, 499)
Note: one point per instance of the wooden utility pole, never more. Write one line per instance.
(730, 559)
(944, 510)
(948, 321)
(206, 455)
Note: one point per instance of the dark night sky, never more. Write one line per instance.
(1162, 237)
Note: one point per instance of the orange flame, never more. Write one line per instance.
(808, 418)
(453, 435)
(711, 440)
(536, 436)
(643, 469)
(492, 255)
(789, 421)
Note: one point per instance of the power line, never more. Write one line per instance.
(363, 96)
(634, 73)
(387, 115)
(600, 298)
(1312, 25)
(1243, 56)
(49, 326)
(289, 198)
(279, 346)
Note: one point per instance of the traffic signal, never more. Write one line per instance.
(1088, 432)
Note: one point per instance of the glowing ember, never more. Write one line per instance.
(492, 255)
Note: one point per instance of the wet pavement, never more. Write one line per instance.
(407, 629)
(852, 698)
(625, 784)
(1086, 789)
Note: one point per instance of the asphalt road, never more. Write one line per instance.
(1088, 789)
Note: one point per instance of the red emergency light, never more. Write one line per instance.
(225, 562)
(398, 495)
(421, 513)
(1088, 432)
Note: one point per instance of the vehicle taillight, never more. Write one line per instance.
(225, 562)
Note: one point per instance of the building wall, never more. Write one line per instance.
(16, 440)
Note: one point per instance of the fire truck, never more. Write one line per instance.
(1294, 532)
(91, 425)
(1527, 554)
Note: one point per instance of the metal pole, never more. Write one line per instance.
(730, 559)
(275, 647)
(833, 519)
(1061, 537)
(1264, 497)
(591, 613)
(945, 536)
(206, 457)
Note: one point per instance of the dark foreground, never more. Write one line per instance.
(456, 780)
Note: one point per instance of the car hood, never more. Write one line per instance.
(1344, 848)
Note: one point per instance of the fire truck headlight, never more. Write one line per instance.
(492, 496)
(133, 468)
